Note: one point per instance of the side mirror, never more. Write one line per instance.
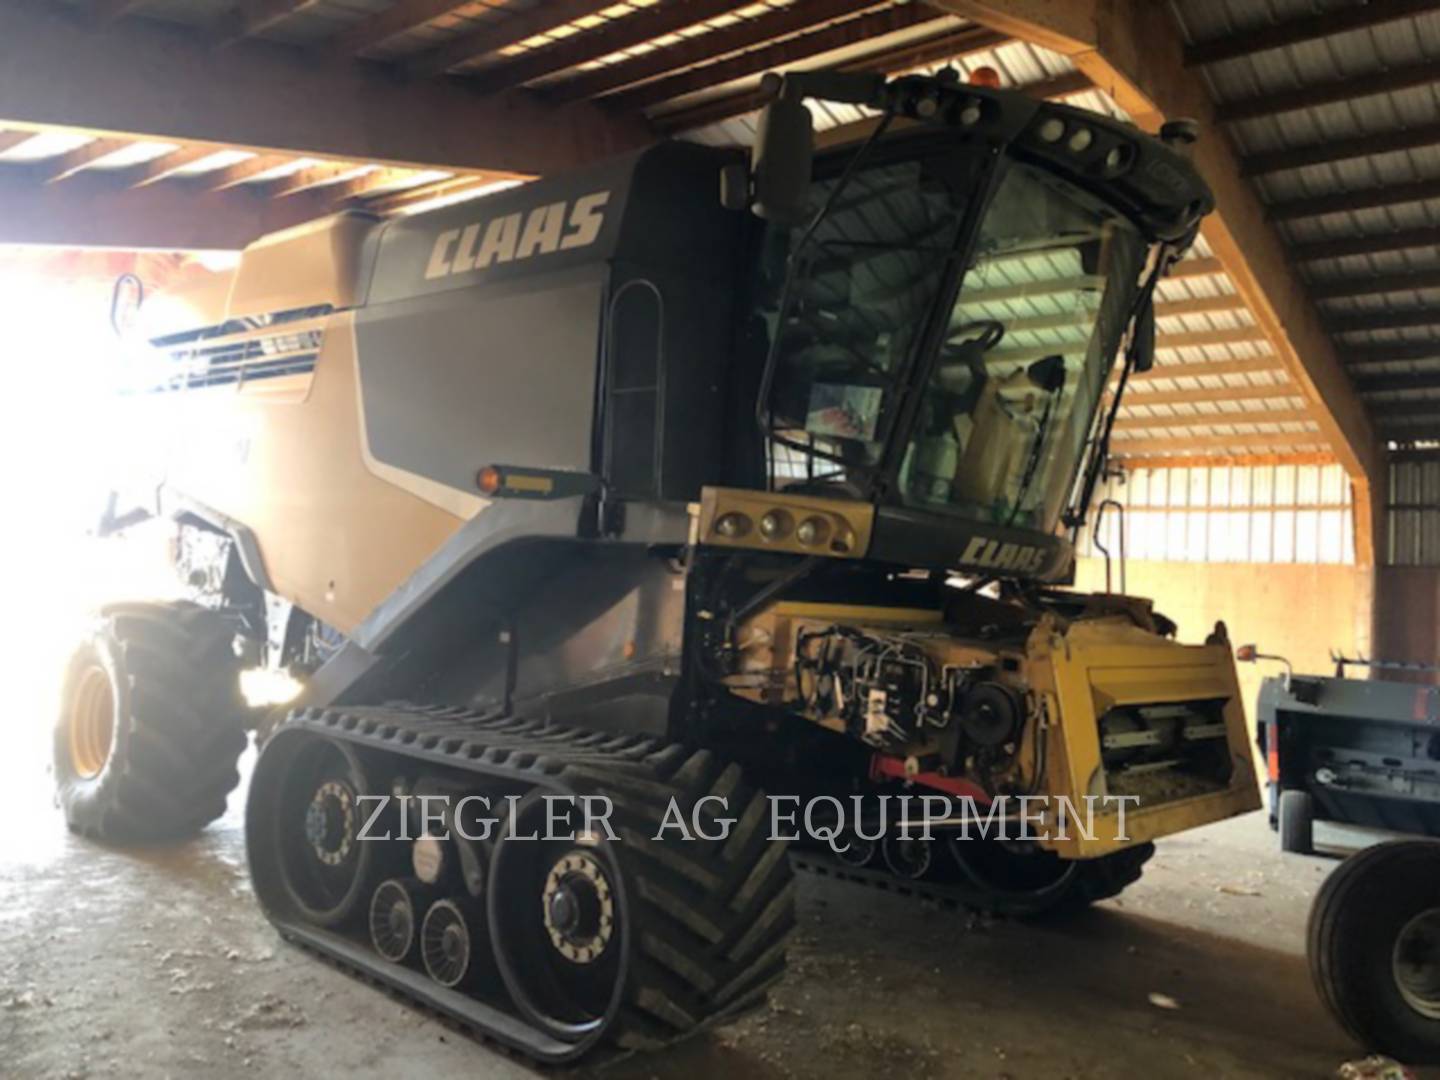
(781, 162)
(1142, 346)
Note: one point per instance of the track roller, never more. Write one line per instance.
(450, 947)
(394, 915)
(908, 857)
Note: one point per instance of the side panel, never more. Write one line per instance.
(500, 375)
(334, 537)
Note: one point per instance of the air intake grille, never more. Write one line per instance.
(234, 353)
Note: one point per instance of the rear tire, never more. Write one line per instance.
(1374, 948)
(1297, 822)
(151, 724)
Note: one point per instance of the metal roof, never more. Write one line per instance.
(692, 68)
(1338, 124)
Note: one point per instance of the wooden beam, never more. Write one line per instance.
(146, 79)
(1208, 393)
(1379, 283)
(306, 179)
(167, 165)
(1256, 366)
(1198, 305)
(1382, 320)
(11, 139)
(1207, 420)
(1370, 84)
(499, 33)
(396, 201)
(1132, 50)
(1162, 443)
(702, 48)
(1371, 143)
(1346, 201)
(1379, 384)
(1305, 28)
(1402, 410)
(373, 182)
(251, 17)
(837, 35)
(392, 22)
(1211, 461)
(1206, 266)
(53, 170)
(241, 172)
(98, 211)
(1389, 354)
(1397, 240)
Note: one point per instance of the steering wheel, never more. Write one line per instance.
(988, 333)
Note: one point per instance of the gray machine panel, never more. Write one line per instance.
(503, 375)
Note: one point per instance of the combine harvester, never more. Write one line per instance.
(651, 483)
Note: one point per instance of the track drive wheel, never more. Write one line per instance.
(150, 725)
(1029, 882)
(1374, 948)
(638, 940)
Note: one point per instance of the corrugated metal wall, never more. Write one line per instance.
(1413, 511)
(1233, 514)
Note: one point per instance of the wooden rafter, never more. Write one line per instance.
(309, 178)
(1251, 366)
(1305, 28)
(370, 183)
(1382, 320)
(501, 33)
(1207, 266)
(53, 170)
(1379, 283)
(1210, 393)
(1370, 84)
(780, 54)
(1135, 463)
(1322, 153)
(1198, 305)
(1389, 354)
(1211, 419)
(1345, 201)
(392, 22)
(241, 172)
(1379, 384)
(251, 17)
(167, 165)
(92, 210)
(11, 139)
(1397, 240)
(702, 48)
(1161, 443)
(146, 79)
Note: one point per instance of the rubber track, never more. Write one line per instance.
(713, 919)
(1101, 880)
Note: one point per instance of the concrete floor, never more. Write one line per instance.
(159, 964)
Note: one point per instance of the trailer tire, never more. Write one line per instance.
(1297, 822)
(1373, 923)
(151, 724)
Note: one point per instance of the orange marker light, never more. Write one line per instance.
(489, 480)
(985, 76)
